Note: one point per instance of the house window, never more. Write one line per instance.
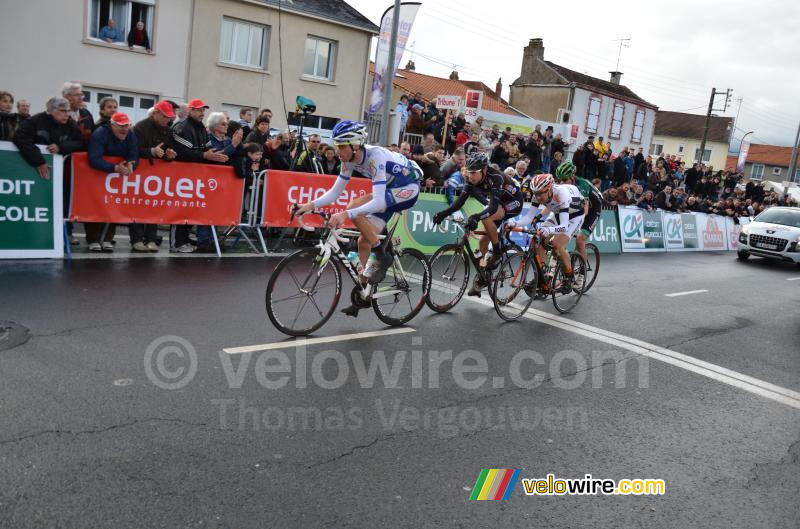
(616, 120)
(124, 13)
(681, 148)
(656, 148)
(706, 155)
(593, 115)
(776, 171)
(757, 172)
(318, 59)
(638, 126)
(243, 43)
(133, 104)
(314, 124)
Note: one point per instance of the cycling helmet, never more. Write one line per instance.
(476, 161)
(565, 171)
(349, 132)
(542, 182)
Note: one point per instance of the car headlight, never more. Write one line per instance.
(746, 229)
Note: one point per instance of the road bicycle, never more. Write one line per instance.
(305, 287)
(523, 277)
(450, 268)
(592, 265)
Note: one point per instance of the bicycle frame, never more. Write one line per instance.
(330, 248)
(463, 241)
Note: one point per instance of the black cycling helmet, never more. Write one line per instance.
(476, 161)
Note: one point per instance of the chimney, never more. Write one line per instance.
(453, 75)
(615, 77)
(498, 87)
(411, 66)
(533, 51)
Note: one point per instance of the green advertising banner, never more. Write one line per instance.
(31, 216)
(642, 231)
(605, 234)
(416, 228)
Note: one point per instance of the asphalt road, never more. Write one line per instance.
(87, 439)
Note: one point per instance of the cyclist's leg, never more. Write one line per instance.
(490, 226)
(560, 242)
(397, 200)
(367, 229)
(580, 243)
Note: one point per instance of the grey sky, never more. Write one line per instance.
(753, 48)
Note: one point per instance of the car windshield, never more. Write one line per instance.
(786, 217)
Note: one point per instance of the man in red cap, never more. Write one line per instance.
(114, 139)
(193, 145)
(155, 142)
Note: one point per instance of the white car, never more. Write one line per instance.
(774, 233)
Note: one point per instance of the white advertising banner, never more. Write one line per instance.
(713, 233)
(408, 12)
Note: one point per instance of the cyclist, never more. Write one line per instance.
(504, 202)
(567, 205)
(395, 187)
(566, 174)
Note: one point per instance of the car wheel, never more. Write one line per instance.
(742, 255)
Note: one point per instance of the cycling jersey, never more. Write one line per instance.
(595, 199)
(567, 206)
(395, 182)
(500, 189)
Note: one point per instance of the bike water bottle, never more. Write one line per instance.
(355, 261)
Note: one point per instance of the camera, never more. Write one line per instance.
(305, 105)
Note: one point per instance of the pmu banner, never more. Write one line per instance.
(642, 231)
(417, 230)
(283, 189)
(408, 12)
(31, 217)
(156, 193)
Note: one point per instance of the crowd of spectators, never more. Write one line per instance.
(187, 132)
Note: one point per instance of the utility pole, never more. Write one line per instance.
(793, 176)
(711, 109)
(389, 79)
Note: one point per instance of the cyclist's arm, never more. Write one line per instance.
(460, 201)
(334, 192)
(378, 202)
(563, 223)
(530, 216)
(491, 207)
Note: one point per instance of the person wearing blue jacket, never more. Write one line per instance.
(114, 139)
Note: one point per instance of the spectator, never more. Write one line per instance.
(601, 147)
(430, 167)
(330, 162)
(557, 146)
(590, 159)
(428, 143)
(405, 149)
(416, 123)
(547, 141)
(579, 159)
(73, 92)
(52, 129)
(108, 107)
(620, 169)
(623, 195)
(23, 109)
(605, 172)
(9, 121)
(279, 151)
(402, 110)
(521, 168)
(192, 144)
(638, 160)
(453, 185)
(664, 199)
(217, 125)
(455, 163)
(555, 161)
(249, 165)
(260, 134)
(610, 198)
(156, 142)
(113, 139)
(533, 149)
(245, 120)
(110, 33)
(500, 154)
(477, 125)
(181, 113)
(630, 165)
(309, 160)
(416, 100)
(138, 37)
(462, 137)
(647, 201)
(644, 170)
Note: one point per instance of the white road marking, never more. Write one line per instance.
(688, 292)
(793, 279)
(288, 344)
(674, 358)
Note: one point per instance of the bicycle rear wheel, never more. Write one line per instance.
(303, 292)
(509, 296)
(402, 293)
(592, 266)
(449, 277)
(565, 294)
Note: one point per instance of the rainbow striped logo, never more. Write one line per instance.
(495, 484)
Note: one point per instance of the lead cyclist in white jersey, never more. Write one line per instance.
(567, 205)
(395, 187)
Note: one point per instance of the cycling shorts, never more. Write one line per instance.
(590, 221)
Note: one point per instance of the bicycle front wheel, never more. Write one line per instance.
(449, 277)
(510, 299)
(566, 294)
(303, 292)
(592, 266)
(402, 293)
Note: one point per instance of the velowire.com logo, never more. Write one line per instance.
(495, 484)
